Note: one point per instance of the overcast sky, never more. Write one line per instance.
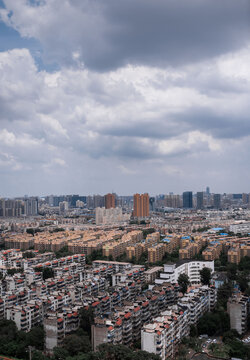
(124, 95)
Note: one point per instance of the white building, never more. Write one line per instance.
(79, 204)
(110, 216)
(63, 207)
(165, 332)
(191, 268)
(31, 206)
(243, 228)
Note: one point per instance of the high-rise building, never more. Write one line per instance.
(110, 216)
(2, 207)
(109, 200)
(172, 201)
(98, 201)
(31, 206)
(13, 208)
(141, 205)
(63, 207)
(200, 204)
(207, 191)
(187, 200)
(245, 198)
(152, 204)
(217, 201)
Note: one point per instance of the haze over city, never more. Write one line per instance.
(125, 96)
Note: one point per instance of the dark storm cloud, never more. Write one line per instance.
(112, 33)
(157, 128)
(224, 126)
(171, 32)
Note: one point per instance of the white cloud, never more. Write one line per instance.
(53, 124)
(73, 117)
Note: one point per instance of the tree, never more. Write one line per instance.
(28, 255)
(8, 330)
(224, 292)
(193, 330)
(238, 349)
(244, 263)
(183, 281)
(205, 274)
(74, 344)
(242, 281)
(121, 352)
(30, 231)
(60, 353)
(147, 232)
(86, 316)
(230, 335)
(64, 251)
(231, 271)
(48, 273)
(35, 337)
(38, 355)
(13, 271)
(214, 323)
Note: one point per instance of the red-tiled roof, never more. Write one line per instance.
(137, 309)
(128, 315)
(119, 322)
(95, 303)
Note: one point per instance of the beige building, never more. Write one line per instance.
(141, 205)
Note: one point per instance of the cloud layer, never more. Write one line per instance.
(148, 96)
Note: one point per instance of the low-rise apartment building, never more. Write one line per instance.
(189, 267)
(163, 334)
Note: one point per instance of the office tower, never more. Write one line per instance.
(83, 198)
(152, 204)
(172, 201)
(200, 204)
(237, 196)
(187, 200)
(109, 200)
(31, 206)
(245, 198)
(217, 201)
(98, 201)
(58, 199)
(2, 207)
(90, 202)
(141, 205)
(207, 190)
(63, 207)
(74, 199)
(51, 200)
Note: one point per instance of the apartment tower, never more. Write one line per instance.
(109, 200)
(141, 205)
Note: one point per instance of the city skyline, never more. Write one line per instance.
(195, 193)
(131, 96)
